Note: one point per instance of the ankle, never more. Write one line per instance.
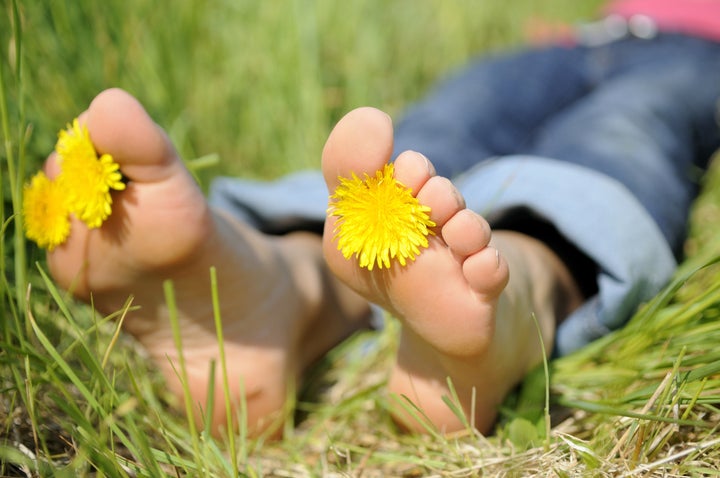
(541, 289)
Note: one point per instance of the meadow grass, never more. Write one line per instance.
(252, 88)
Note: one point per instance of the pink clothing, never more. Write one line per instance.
(693, 17)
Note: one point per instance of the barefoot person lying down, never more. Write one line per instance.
(573, 168)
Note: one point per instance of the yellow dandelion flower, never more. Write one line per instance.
(379, 220)
(75, 141)
(45, 212)
(86, 178)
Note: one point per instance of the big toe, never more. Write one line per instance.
(119, 125)
(361, 142)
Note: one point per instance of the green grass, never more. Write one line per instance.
(258, 85)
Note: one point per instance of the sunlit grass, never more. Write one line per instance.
(252, 88)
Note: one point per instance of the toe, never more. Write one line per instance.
(51, 166)
(413, 170)
(361, 142)
(468, 235)
(443, 199)
(487, 272)
(120, 126)
(466, 232)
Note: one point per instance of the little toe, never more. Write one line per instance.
(468, 235)
(487, 271)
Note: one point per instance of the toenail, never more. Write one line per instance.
(428, 165)
(459, 199)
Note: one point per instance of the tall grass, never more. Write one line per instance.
(260, 84)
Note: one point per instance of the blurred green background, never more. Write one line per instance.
(259, 83)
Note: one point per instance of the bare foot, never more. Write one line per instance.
(281, 309)
(463, 316)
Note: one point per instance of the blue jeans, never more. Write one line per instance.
(643, 112)
(597, 149)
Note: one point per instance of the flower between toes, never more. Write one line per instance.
(85, 177)
(82, 188)
(379, 220)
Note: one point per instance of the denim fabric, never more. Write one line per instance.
(595, 213)
(641, 111)
(605, 143)
(297, 201)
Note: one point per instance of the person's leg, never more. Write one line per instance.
(640, 111)
(281, 308)
(545, 149)
(650, 123)
(464, 316)
(492, 106)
